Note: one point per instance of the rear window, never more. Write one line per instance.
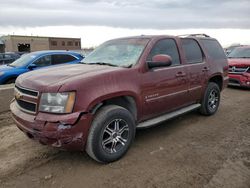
(192, 51)
(213, 49)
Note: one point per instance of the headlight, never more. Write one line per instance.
(57, 102)
(1, 73)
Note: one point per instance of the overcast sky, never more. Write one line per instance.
(98, 20)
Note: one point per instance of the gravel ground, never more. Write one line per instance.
(189, 151)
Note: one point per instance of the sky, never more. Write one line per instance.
(96, 21)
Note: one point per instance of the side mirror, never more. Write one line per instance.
(32, 66)
(160, 60)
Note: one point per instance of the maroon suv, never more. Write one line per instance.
(124, 84)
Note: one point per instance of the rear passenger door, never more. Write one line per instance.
(62, 58)
(196, 67)
(164, 88)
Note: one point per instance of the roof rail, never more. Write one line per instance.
(194, 35)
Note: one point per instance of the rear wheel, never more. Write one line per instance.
(111, 134)
(211, 99)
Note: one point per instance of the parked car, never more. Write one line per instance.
(231, 48)
(239, 67)
(36, 60)
(124, 84)
(8, 57)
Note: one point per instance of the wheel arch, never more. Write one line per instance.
(218, 79)
(125, 101)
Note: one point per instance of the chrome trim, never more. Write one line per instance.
(194, 88)
(237, 70)
(28, 90)
(25, 100)
(23, 94)
(164, 96)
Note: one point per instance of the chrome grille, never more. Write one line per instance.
(26, 99)
(238, 70)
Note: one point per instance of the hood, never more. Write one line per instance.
(53, 78)
(241, 62)
(6, 68)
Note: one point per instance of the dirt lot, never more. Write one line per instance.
(190, 151)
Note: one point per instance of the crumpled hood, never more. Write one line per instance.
(54, 77)
(242, 62)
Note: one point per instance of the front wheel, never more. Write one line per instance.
(111, 134)
(211, 99)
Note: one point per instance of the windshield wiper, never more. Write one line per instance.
(10, 65)
(109, 64)
(101, 63)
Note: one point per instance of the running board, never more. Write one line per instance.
(159, 119)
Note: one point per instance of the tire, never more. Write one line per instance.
(10, 81)
(111, 134)
(211, 99)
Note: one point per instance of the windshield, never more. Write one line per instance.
(121, 52)
(240, 53)
(23, 60)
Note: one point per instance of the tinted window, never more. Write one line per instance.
(43, 61)
(213, 49)
(192, 51)
(62, 58)
(167, 47)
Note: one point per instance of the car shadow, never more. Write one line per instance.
(239, 88)
(143, 136)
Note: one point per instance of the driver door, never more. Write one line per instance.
(164, 88)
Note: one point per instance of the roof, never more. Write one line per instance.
(55, 51)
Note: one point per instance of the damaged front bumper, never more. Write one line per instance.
(241, 80)
(63, 131)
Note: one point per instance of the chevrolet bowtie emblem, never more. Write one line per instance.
(18, 95)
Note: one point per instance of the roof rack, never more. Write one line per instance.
(195, 35)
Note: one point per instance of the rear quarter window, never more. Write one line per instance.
(213, 49)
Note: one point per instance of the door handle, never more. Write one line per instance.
(180, 74)
(205, 69)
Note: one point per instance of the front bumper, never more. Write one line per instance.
(54, 130)
(240, 80)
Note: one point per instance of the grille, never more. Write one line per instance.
(238, 70)
(26, 105)
(27, 91)
(26, 99)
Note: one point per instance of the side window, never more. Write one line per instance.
(62, 58)
(192, 51)
(43, 61)
(167, 47)
(214, 49)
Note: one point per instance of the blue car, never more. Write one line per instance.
(36, 60)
